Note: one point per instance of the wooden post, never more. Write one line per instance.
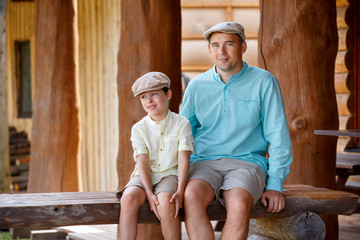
(4, 128)
(150, 41)
(298, 44)
(55, 149)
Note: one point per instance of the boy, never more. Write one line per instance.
(162, 143)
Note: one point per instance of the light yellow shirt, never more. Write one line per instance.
(162, 141)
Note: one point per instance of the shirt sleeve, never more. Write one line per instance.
(188, 110)
(186, 140)
(138, 143)
(276, 132)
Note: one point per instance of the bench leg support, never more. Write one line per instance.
(303, 225)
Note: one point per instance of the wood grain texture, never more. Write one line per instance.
(302, 225)
(81, 208)
(4, 127)
(298, 43)
(55, 150)
(150, 40)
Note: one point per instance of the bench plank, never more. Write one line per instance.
(85, 208)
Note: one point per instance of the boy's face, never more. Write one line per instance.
(156, 103)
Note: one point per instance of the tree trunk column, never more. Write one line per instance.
(4, 128)
(55, 149)
(298, 44)
(150, 41)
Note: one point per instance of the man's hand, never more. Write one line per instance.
(274, 200)
(178, 199)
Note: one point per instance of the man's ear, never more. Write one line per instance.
(168, 94)
(243, 47)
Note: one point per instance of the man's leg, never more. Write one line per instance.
(239, 203)
(198, 196)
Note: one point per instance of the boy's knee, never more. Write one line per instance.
(131, 200)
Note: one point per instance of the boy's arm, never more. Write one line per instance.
(145, 178)
(183, 175)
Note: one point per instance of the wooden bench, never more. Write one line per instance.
(36, 210)
(347, 164)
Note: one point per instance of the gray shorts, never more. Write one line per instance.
(227, 173)
(167, 184)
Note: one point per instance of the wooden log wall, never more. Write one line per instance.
(150, 41)
(20, 25)
(200, 15)
(55, 149)
(343, 80)
(300, 48)
(4, 132)
(99, 35)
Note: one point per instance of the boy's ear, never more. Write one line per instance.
(168, 94)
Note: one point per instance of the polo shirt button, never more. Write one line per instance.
(159, 164)
(160, 149)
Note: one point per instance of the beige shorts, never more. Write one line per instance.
(226, 173)
(167, 184)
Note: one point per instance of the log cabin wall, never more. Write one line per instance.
(200, 15)
(343, 85)
(99, 35)
(20, 27)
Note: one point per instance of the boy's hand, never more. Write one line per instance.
(153, 202)
(178, 199)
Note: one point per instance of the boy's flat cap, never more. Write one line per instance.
(149, 82)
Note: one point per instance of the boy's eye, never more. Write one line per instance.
(143, 97)
(154, 94)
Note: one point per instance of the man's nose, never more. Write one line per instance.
(222, 49)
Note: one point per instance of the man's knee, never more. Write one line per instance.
(238, 202)
(198, 193)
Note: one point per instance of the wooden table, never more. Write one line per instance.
(347, 163)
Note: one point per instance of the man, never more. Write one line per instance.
(237, 116)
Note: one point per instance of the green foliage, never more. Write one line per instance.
(6, 236)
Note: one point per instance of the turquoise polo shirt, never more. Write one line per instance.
(242, 119)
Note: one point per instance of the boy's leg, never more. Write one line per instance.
(131, 200)
(170, 225)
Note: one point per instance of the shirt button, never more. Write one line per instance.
(159, 164)
(162, 133)
(161, 149)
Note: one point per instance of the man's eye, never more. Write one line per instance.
(154, 94)
(143, 97)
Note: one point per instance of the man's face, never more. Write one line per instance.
(226, 52)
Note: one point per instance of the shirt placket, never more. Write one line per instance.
(161, 130)
(225, 111)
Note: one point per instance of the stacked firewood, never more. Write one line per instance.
(19, 159)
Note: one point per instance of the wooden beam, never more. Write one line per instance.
(55, 149)
(302, 225)
(150, 40)
(81, 208)
(298, 43)
(4, 128)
